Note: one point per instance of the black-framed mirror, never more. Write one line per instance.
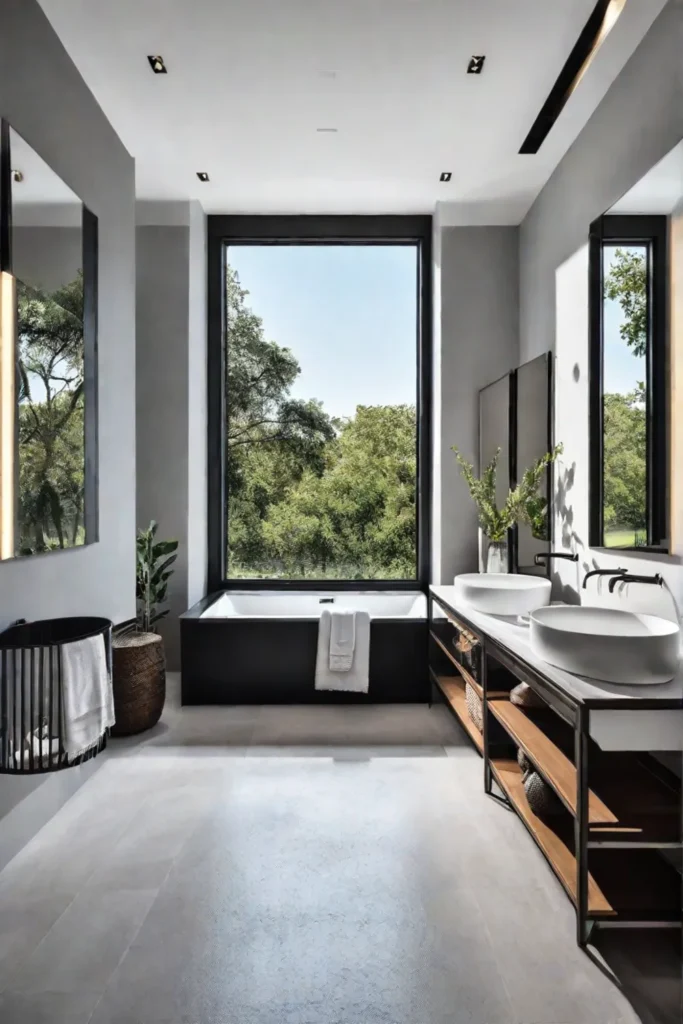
(516, 416)
(630, 362)
(48, 357)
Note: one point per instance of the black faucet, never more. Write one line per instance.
(627, 578)
(538, 559)
(602, 572)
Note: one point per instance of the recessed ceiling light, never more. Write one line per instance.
(202, 175)
(476, 65)
(327, 131)
(157, 65)
(445, 176)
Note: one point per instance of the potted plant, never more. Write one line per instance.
(523, 503)
(139, 662)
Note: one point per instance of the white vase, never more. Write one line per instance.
(497, 556)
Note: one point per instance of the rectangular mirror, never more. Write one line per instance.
(630, 278)
(49, 401)
(533, 439)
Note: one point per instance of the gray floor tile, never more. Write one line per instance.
(47, 1007)
(25, 919)
(86, 944)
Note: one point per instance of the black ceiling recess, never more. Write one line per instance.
(567, 78)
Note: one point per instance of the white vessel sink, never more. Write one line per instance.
(606, 644)
(499, 593)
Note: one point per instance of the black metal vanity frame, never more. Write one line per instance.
(575, 713)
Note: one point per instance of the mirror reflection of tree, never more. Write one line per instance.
(51, 439)
(625, 446)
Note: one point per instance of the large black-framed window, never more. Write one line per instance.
(629, 351)
(226, 232)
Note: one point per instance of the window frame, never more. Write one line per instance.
(653, 232)
(226, 230)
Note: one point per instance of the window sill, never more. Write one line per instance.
(641, 554)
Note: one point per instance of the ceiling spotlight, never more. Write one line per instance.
(445, 176)
(202, 175)
(476, 65)
(18, 176)
(157, 65)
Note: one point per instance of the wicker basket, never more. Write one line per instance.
(524, 697)
(139, 680)
(524, 762)
(475, 707)
(542, 799)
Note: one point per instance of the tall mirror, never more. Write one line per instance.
(533, 439)
(495, 433)
(49, 358)
(634, 260)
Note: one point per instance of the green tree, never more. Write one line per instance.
(50, 417)
(624, 462)
(626, 283)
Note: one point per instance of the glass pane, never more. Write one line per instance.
(626, 340)
(321, 411)
(47, 256)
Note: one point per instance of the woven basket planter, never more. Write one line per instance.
(524, 762)
(475, 707)
(139, 680)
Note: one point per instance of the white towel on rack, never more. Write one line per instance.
(342, 639)
(357, 679)
(87, 696)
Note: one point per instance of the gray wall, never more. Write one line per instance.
(171, 395)
(477, 341)
(47, 257)
(48, 103)
(638, 122)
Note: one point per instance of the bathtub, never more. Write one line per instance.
(259, 647)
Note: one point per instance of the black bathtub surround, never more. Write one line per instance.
(271, 660)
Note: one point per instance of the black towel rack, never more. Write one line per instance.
(31, 699)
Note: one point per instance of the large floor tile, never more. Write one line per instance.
(25, 919)
(47, 1007)
(86, 944)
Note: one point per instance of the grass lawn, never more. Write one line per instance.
(620, 538)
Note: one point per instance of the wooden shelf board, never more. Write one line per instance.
(466, 675)
(454, 692)
(553, 765)
(508, 774)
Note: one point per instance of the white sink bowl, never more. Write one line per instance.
(500, 593)
(606, 644)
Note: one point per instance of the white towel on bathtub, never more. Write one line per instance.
(342, 639)
(357, 679)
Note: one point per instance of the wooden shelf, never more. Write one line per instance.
(453, 690)
(561, 858)
(465, 674)
(553, 765)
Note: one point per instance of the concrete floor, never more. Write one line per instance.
(299, 866)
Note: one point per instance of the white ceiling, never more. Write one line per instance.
(659, 191)
(250, 81)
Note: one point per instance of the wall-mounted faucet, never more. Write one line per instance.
(625, 577)
(602, 572)
(538, 559)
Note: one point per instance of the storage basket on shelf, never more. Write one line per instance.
(543, 800)
(524, 697)
(475, 706)
(139, 682)
(56, 703)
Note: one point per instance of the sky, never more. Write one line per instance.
(347, 312)
(622, 370)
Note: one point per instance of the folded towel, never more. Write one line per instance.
(87, 696)
(357, 679)
(342, 640)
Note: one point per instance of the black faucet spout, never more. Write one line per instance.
(539, 559)
(626, 577)
(602, 572)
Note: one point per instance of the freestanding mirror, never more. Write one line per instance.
(533, 439)
(48, 382)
